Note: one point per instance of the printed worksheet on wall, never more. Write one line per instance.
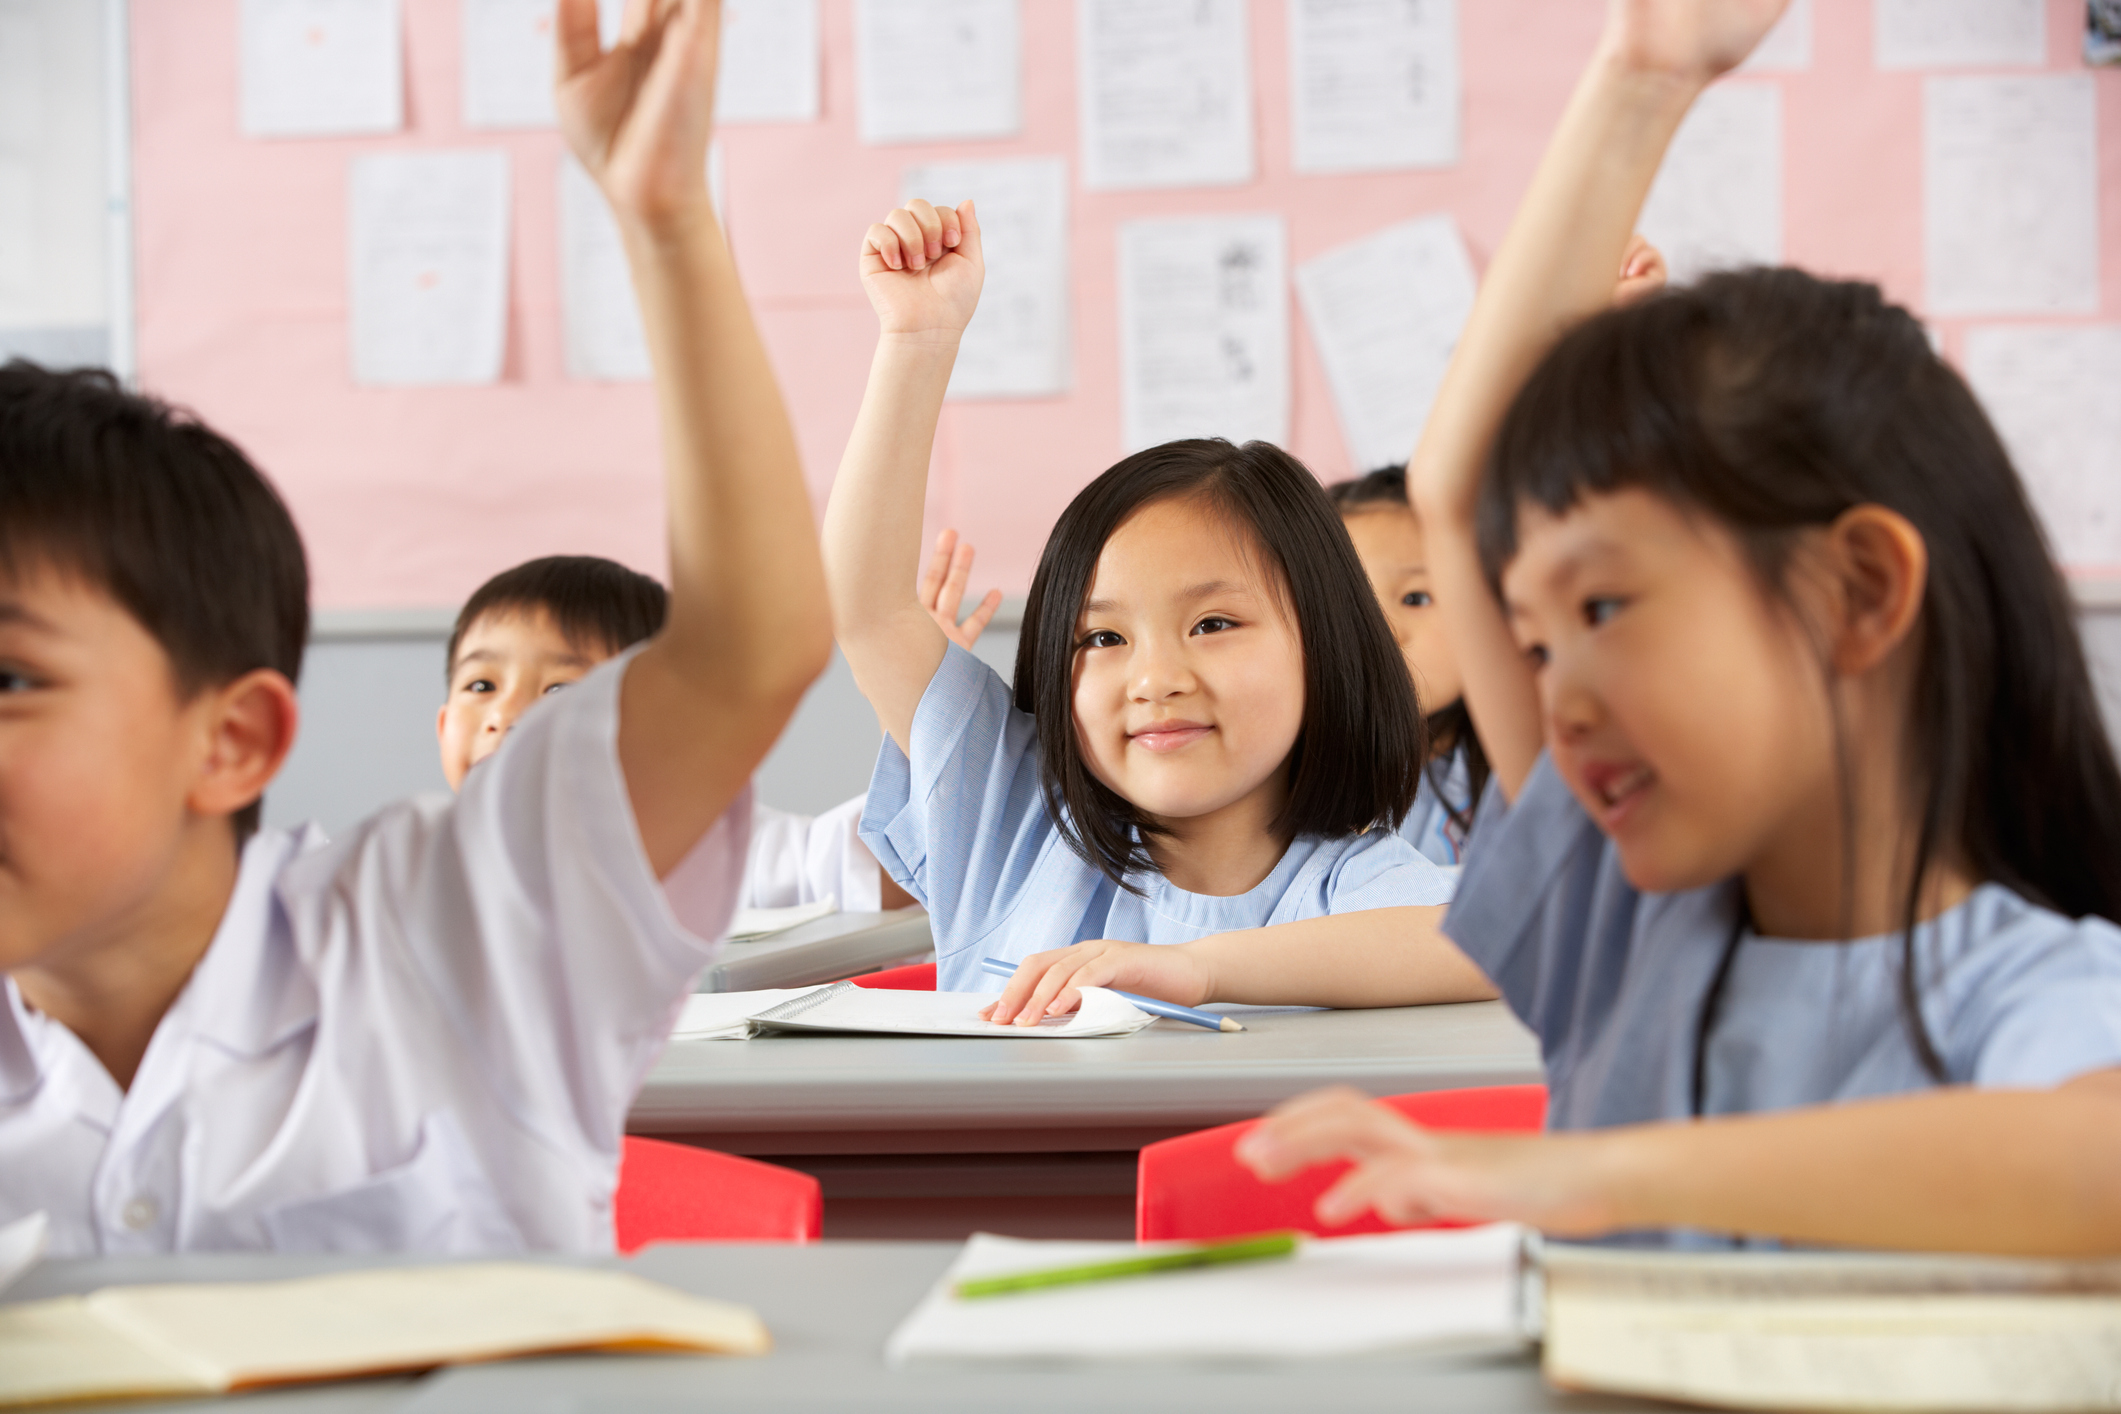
(1959, 34)
(768, 68)
(321, 68)
(1373, 84)
(1787, 48)
(1204, 329)
(2051, 392)
(938, 70)
(428, 276)
(1717, 201)
(508, 57)
(1386, 312)
(600, 321)
(1165, 93)
(2010, 194)
(1017, 344)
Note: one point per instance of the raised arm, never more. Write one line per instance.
(922, 270)
(748, 628)
(1554, 268)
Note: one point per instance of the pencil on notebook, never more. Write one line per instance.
(1212, 1020)
(1241, 1249)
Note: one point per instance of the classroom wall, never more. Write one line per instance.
(411, 496)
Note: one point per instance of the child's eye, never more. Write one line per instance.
(552, 687)
(12, 681)
(1214, 623)
(1598, 611)
(478, 685)
(1101, 638)
(1417, 598)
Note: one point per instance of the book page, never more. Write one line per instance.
(1336, 1297)
(1017, 344)
(1204, 329)
(1165, 93)
(2054, 393)
(1373, 84)
(321, 68)
(2010, 194)
(846, 1007)
(1964, 34)
(509, 52)
(61, 1350)
(1386, 312)
(726, 1016)
(938, 70)
(767, 71)
(1717, 200)
(428, 266)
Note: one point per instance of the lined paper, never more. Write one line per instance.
(1373, 84)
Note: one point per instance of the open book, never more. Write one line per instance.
(134, 1341)
(842, 1006)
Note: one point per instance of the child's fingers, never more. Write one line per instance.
(976, 622)
(1019, 987)
(931, 227)
(1340, 1123)
(913, 243)
(575, 30)
(968, 243)
(937, 567)
(955, 575)
(883, 242)
(1391, 1187)
(953, 231)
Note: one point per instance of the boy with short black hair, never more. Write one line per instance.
(424, 1036)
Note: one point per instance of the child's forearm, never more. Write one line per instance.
(873, 528)
(1373, 958)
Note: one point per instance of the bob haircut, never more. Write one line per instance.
(596, 603)
(1357, 759)
(165, 515)
(1769, 402)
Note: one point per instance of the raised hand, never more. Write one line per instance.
(1689, 40)
(922, 269)
(942, 590)
(638, 115)
(1642, 272)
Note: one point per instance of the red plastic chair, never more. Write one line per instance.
(676, 1193)
(916, 977)
(1193, 1189)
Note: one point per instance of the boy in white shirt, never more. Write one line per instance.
(425, 1036)
(531, 630)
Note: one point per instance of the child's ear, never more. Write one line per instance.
(250, 726)
(1882, 566)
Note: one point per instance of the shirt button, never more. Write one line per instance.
(140, 1214)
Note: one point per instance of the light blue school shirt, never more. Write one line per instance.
(1429, 826)
(963, 827)
(1613, 981)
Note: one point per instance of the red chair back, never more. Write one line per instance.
(1193, 1189)
(676, 1193)
(917, 977)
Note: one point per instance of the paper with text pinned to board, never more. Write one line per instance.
(767, 69)
(600, 320)
(1373, 84)
(1386, 312)
(428, 257)
(509, 54)
(2050, 389)
(1204, 329)
(938, 70)
(321, 68)
(1937, 34)
(1164, 93)
(1717, 200)
(1017, 345)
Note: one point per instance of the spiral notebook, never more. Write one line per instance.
(844, 1007)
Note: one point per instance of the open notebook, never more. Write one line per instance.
(133, 1341)
(844, 1007)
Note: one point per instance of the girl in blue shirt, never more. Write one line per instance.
(1210, 737)
(1805, 835)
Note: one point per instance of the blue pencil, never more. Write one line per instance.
(1150, 1005)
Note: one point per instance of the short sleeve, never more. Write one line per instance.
(799, 859)
(961, 823)
(2040, 1002)
(1384, 871)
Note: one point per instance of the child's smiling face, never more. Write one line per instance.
(1388, 542)
(505, 662)
(1189, 672)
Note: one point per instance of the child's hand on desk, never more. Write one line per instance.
(943, 590)
(1407, 1174)
(1050, 983)
(638, 115)
(1642, 272)
(922, 269)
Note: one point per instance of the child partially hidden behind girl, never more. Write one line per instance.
(1804, 827)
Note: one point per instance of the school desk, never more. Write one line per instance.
(830, 1308)
(824, 950)
(917, 1137)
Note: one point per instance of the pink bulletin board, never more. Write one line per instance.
(411, 497)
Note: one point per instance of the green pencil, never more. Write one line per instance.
(1241, 1249)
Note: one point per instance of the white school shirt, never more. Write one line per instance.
(797, 859)
(963, 826)
(423, 1037)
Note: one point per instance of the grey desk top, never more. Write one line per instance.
(823, 951)
(847, 1094)
(830, 1308)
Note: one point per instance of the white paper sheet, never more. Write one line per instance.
(1373, 84)
(1787, 48)
(2010, 191)
(1336, 1297)
(844, 1007)
(1165, 93)
(316, 68)
(1960, 34)
(21, 1244)
(1204, 329)
(768, 68)
(508, 52)
(1386, 312)
(600, 320)
(751, 924)
(2054, 392)
(1717, 201)
(428, 266)
(938, 70)
(1017, 344)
